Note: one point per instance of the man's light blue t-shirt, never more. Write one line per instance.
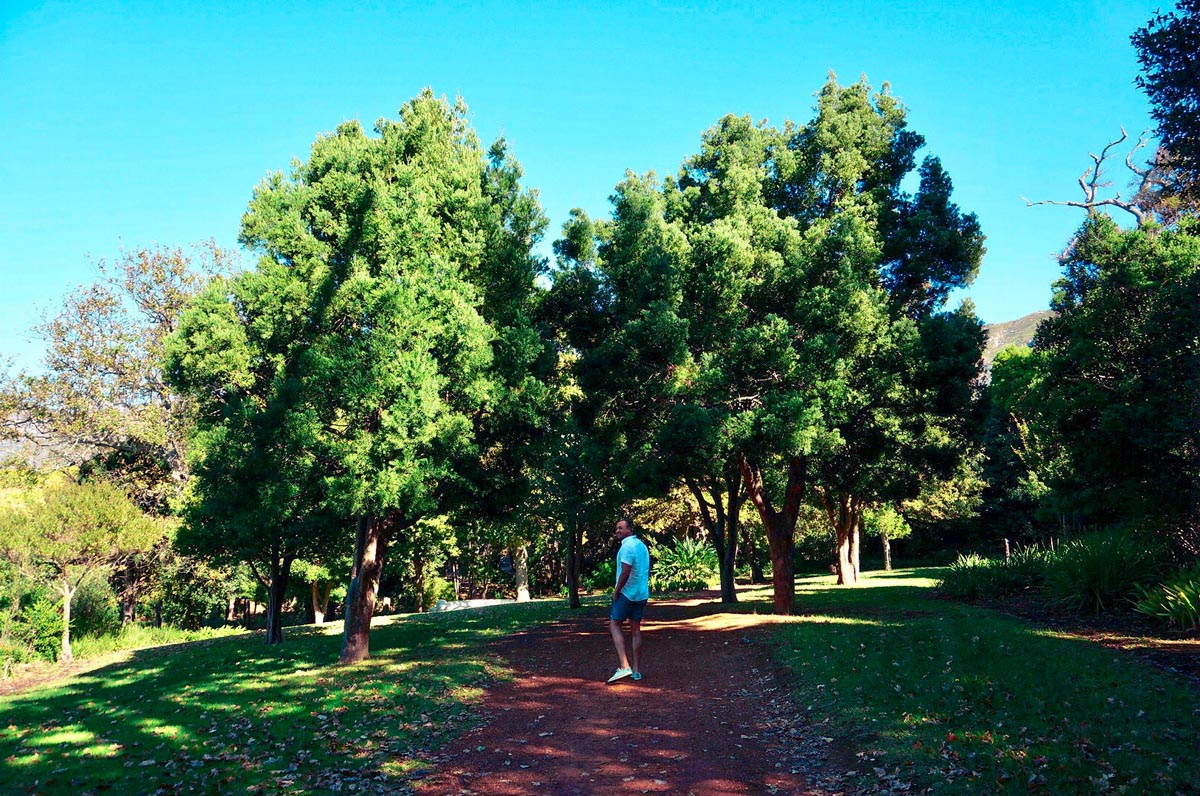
(634, 553)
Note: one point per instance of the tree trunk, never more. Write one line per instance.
(418, 583)
(68, 593)
(716, 516)
(275, 594)
(844, 516)
(520, 557)
(887, 552)
(782, 544)
(749, 548)
(364, 582)
(276, 587)
(856, 545)
(780, 525)
(320, 600)
(574, 561)
(129, 592)
(733, 511)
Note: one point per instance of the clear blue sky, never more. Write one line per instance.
(131, 123)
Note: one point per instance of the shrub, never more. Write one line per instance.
(437, 588)
(603, 577)
(39, 628)
(94, 610)
(12, 652)
(193, 594)
(1176, 601)
(1096, 572)
(973, 577)
(689, 565)
(140, 636)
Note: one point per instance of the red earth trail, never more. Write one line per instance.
(711, 717)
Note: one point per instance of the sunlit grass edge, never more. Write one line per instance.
(956, 699)
(236, 715)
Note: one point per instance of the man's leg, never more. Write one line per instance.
(636, 625)
(618, 638)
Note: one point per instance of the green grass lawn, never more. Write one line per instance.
(931, 693)
(962, 700)
(233, 715)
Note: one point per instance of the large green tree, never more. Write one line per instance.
(767, 324)
(1115, 403)
(258, 493)
(399, 358)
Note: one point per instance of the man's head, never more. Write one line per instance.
(624, 528)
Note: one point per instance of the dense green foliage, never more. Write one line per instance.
(1175, 601)
(1167, 48)
(65, 531)
(1101, 571)
(974, 577)
(774, 312)
(687, 565)
(380, 365)
(1106, 408)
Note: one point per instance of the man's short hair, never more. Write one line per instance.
(627, 521)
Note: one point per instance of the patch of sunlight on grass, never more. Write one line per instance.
(103, 750)
(329, 629)
(133, 678)
(158, 727)
(72, 735)
(400, 767)
(821, 619)
(467, 693)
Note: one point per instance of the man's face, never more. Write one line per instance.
(623, 530)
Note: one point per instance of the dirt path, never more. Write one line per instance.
(710, 718)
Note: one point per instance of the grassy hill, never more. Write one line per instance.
(1018, 332)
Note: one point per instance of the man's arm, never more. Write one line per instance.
(626, 571)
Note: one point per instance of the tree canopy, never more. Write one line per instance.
(767, 321)
(385, 342)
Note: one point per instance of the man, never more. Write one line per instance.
(629, 598)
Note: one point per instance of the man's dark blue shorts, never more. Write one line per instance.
(624, 608)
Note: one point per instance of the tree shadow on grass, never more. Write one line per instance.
(233, 714)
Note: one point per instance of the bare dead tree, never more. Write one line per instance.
(1150, 180)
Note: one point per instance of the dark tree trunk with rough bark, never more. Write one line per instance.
(276, 590)
(364, 584)
(750, 553)
(720, 506)
(130, 583)
(780, 525)
(733, 511)
(574, 561)
(845, 515)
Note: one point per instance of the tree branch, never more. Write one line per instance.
(1090, 183)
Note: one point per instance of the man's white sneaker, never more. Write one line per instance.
(620, 674)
